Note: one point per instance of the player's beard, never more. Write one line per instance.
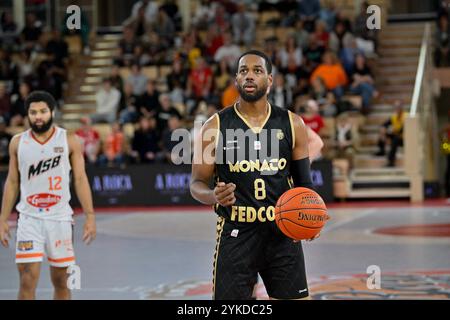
(252, 97)
(42, 128)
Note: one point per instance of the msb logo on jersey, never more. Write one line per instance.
(43, 166)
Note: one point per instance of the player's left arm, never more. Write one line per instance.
(300, 163)
(82, 187)
(315, 144)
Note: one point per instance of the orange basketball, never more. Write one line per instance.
(300, 213)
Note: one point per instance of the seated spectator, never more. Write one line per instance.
(7, 23)
(229, 51)
(173, 123)
(156, 50)
(178, 74)
(31, 32)
(348, 56)
(141, 57)
(149, 102)
(170, 7)
(222, 76)
(340, 38)
(290, 58)
(200, 81)
(126, 48)
(392, 130)
(442, 42)
(5, 103)
(58, 46)
(83, 31)
(90, 139)
(346, 138)
(213, 41)
(139, 24)
(116, 78)
(312, 118)
(128, 111)
(18, 110)
(328, 14)
(165, 112)
(52, 75)
(177, 93)
(301, 35)
(332, 74)
(107, 99)
(25, 66)
(309, 11)
(313, 54)
(164, 27)
(362, 32)
(243, 26)
(204, 14)
(230, 95)
(221, 18)
(322, 35)
(137, 79)
(145, 141)
(280, 94)
(324, 98)
(114, 147)
(9, 72)
(363, 82)
(5, 138)
(151, 9)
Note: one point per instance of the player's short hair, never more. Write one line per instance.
(256, 53)
(40, 96)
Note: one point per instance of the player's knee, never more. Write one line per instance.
(59, 279)
(28, 281)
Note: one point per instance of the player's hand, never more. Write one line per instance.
(4, 233)
(90, 229)
(224, 194)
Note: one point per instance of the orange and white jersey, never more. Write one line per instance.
(45, 176)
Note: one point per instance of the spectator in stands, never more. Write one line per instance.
(126, 47)
(151, 9)
(313, 54)
(166, 111)
(18, 110)
(328, 14)
(309, 11)
(116, 78)
(324, 98)
(445, 134)
(312, 118)
(200, 81)
(243, 26)
(128, 111)
(321, 33)
(149, 102)
(107, 99)
(114, 147)
(173, 123)
(392, 130)
(332, 74)
(222, 76)
(361, 31)
(177, 93)
(290, 58)
(221, 18)
(137, 79)
(229, 51)
(31, 32)
(9, 72)
(348, 55)
(164, 27)
(301, 35)
(139, 24)
(280, 94)
(141, 57)
(52, 75)
(178, 74)
(363, 82)
(213, 41)
(5, 138)
(204, 14)
(25, 66)
(145, 141)
(5, 103)
(442, 42)
(340, 38)
(90, 139)
(58, 46)
(346, 138)
(7, 23)
(170, 7)
(156, 50)
(230, 94)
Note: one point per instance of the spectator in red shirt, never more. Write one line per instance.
(312, 118)
(200, 80)
(90, 139)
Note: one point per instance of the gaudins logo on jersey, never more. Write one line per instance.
(43, 200)
(43, 166)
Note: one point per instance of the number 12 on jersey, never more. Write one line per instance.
(54, 183)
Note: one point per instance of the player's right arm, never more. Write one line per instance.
(10, 192)
(203, 168)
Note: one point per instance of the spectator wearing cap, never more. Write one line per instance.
(107, 99)
(312, 118)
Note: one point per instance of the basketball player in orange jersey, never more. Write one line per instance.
(41, 160)
(246, 191)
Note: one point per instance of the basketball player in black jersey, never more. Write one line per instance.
(249, 179)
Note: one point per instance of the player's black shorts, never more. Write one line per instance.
(244, 251)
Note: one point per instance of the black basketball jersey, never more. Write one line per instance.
(256, 160)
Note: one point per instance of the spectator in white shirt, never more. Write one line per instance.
(228, 51)
(137, 80)
(107, 98)
(151, 10)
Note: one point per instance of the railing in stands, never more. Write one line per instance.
(420, 134)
